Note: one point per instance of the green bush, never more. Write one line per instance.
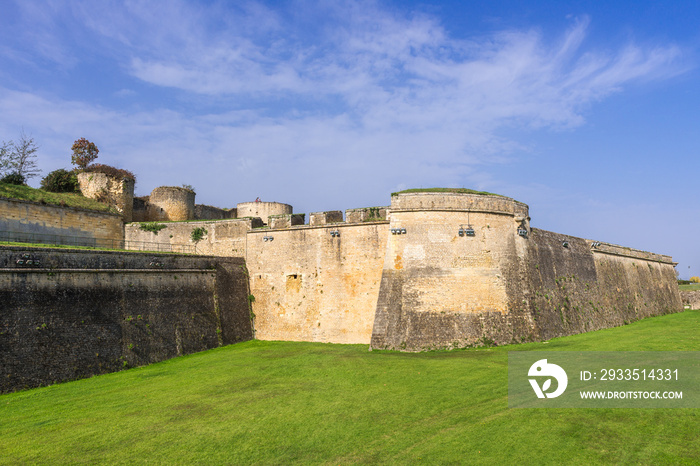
(13, 178)
(198, 233)
(60, 181)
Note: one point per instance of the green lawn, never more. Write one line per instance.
(289, 402)
(692, 287)
(444, 190)
(60, 199)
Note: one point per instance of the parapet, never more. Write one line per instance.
(323, 218)
(458, 201)
(366, 214)
(207, 212)
(171, 203)
(262, 210)
(285, 220)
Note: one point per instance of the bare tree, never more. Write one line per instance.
(24, 156)
(5, 157)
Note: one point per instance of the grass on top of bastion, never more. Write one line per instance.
(264, 402)
(27, 193)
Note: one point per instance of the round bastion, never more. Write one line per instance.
(462, 209)
(171, 203)
(262, 209)
(458, 201)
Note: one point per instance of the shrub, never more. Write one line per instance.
(111, 171)
(60, 181)
(198, 233)
(13, 178)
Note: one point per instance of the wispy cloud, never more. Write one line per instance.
(352, 94)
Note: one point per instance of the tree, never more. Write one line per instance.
(84, 152)
(19, 158)
(24, 157)
(5, 157)
(695, 279)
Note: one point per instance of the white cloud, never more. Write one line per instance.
(362, 100)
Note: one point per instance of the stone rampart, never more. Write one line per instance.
(74, 314)
(575, 285)
(366, 214)
(171, 203)
(22, 220)
(691, 299)
(225, 238)
(262, 210)
(324, 218)
(114, 191)
(442, 287)
(316, 283)
(466, 269)
(286, 220)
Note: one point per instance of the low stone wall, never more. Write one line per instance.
(691, 299)
(33, 222)
(74, 314)
(225, 238)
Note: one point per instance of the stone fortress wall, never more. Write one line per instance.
(432, 270)
(68, 314)
(22, 220)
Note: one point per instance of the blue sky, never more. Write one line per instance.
(588, 112)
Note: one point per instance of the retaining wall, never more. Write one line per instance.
(82, 313)
(47, 221)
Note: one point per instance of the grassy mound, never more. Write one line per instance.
(60, 199)
(444, 190)
(290, 402)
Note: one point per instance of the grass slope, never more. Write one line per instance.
(60, 199)
(444, 190)
(290, 402)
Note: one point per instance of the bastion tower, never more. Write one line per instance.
(451, 271)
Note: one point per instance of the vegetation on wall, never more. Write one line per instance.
(111, 171)
(198, 233)
(153, 227)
